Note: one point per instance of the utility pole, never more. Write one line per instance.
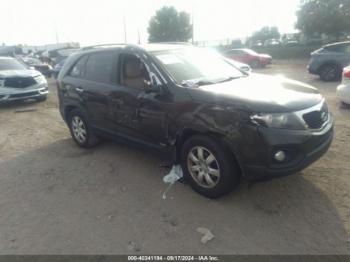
(56, 34)
(138, 35)
(192, 16)
(124, 29)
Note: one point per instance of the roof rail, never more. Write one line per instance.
(104, 46)
(173, 43)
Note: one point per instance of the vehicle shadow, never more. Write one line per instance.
(65, 200)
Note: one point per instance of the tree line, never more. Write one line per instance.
(314, 17)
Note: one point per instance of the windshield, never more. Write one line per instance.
(11, 64)
(197, 65)
(249, 51)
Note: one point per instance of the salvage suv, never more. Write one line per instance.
(219, 123)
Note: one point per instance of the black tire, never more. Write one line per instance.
(90, 138)
(229, 173)
(330, 73)
(346, 105)
(255, 64)
(41, 98)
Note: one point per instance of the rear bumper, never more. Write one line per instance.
(23, 95)
(265, 61)
(302, 148)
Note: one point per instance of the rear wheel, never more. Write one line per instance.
(208, 166)
(330, 72)
(81, 130)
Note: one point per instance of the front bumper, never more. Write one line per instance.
(343, 93)
(24, 94)
(313, 67)
(302, 148)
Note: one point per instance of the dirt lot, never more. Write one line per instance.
(56, 198)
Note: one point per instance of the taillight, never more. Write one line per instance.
(346, 72)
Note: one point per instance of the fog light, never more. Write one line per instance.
(280, 156)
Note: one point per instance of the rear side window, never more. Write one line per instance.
(233, 52)
(342, 48)
(99, 67)
(78, 68)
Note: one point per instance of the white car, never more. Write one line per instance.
(343, 90)
(19, 82)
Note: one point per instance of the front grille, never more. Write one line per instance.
(19, 82)
(24, 94)
(316, 119)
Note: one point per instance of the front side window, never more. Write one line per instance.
(196, 65)
(11, 64)
(99, 67)
(133, 72)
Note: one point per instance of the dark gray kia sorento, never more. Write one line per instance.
(220, 123)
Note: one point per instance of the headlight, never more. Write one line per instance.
(41, 79)
(280, 120)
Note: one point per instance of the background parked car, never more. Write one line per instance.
(256, 44)
(57, 68)
(18, 82)
(343, 90)
(328, 62)
(272, 42)
(249, 57)
(10, 51)
(43, 68)
(55, 56)
(291, 42)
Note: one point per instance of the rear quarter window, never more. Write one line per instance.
(79, 67)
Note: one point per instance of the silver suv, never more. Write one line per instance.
(328, 62)
(19, 82)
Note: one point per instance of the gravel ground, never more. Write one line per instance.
(56, 198)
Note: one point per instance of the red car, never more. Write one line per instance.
(249, 57)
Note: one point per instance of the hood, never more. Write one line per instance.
(19, 73)
(259, 93)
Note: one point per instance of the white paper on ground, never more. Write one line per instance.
(174, 175)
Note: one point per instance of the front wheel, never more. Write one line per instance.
(255, 64)
(209, 167)
(81, 130)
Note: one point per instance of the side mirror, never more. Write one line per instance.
(151, 86)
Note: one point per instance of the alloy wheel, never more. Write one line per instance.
(79, 129)
(203, 167)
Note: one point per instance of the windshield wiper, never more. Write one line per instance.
(195, 83)
(230, 78)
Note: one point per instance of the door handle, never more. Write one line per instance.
(79, 89)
